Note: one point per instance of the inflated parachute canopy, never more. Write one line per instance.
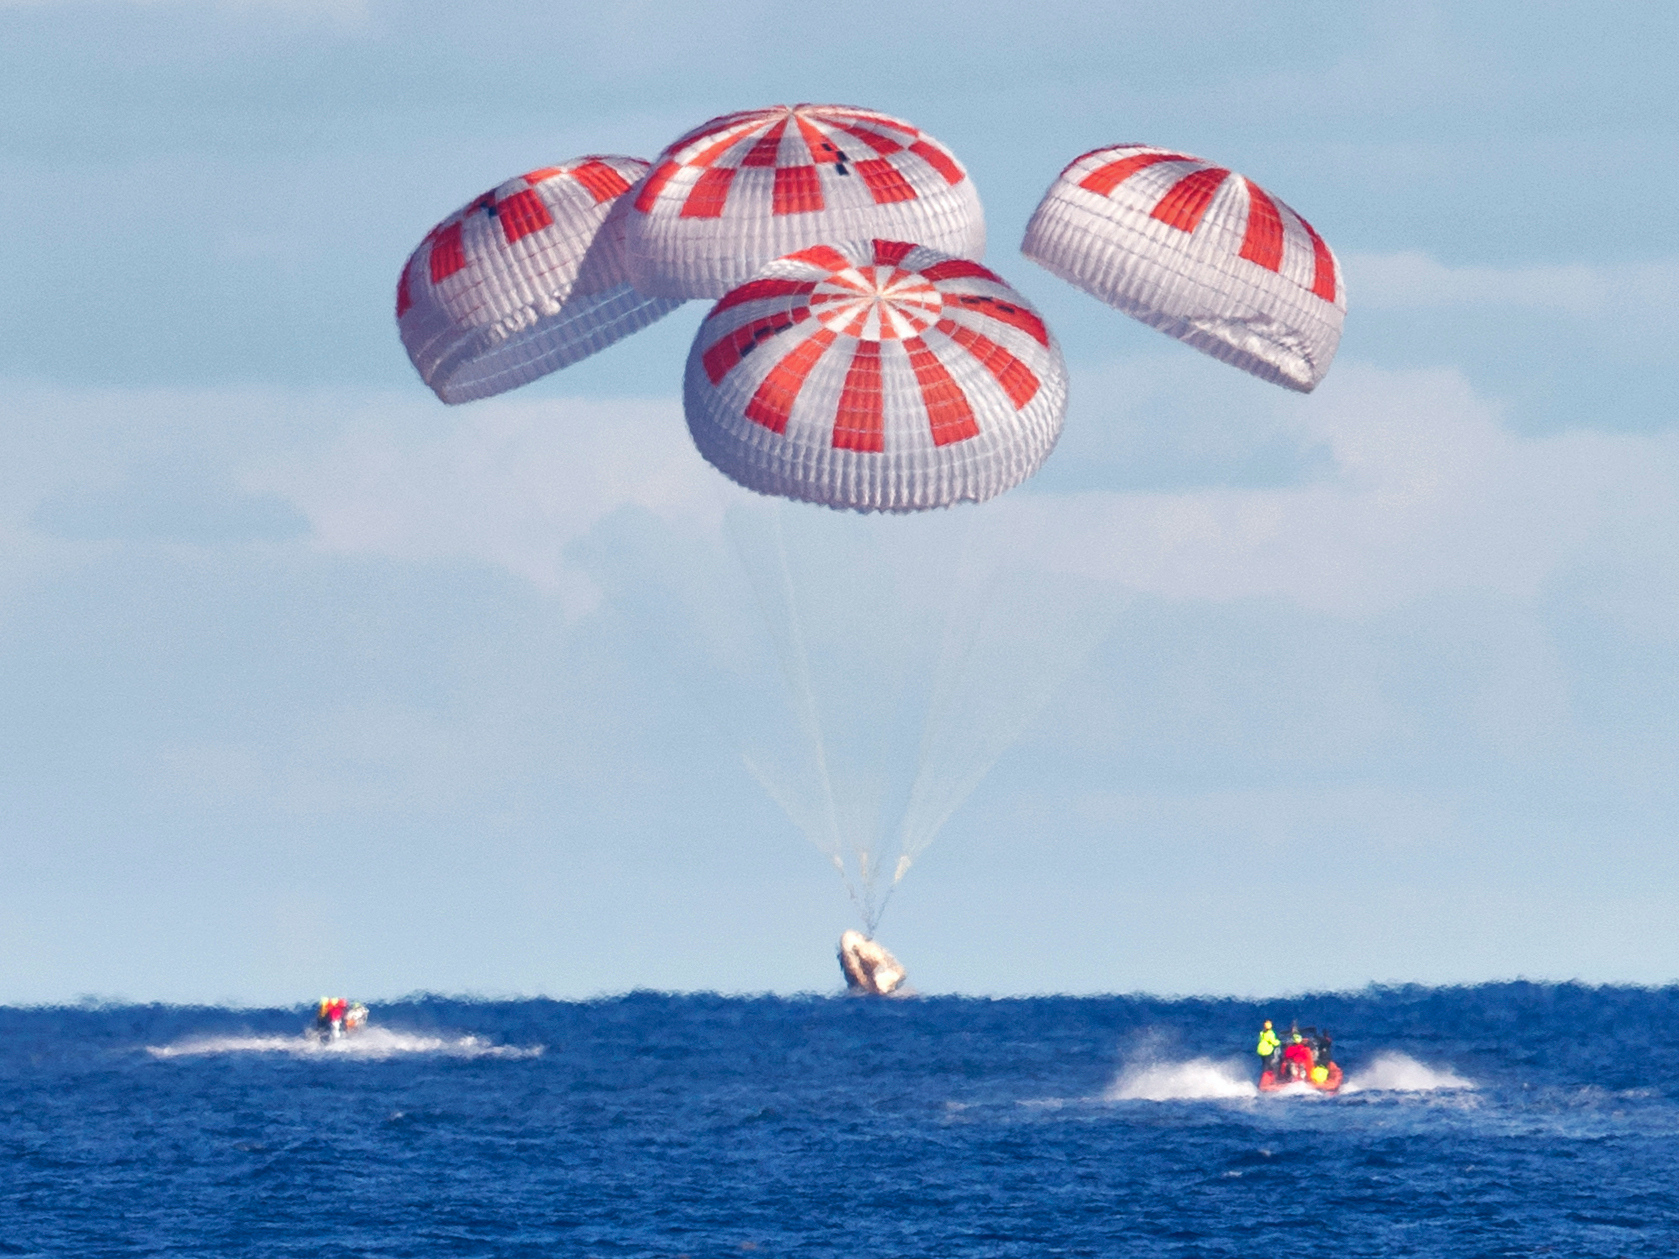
(1205, 255)
(745, 189)
(527, 279)
(880, 376)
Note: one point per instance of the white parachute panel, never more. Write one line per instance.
(524, 280)
(745, 189)
(877, 376)
(1198, 252)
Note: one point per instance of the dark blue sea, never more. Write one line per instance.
(1511, 1119)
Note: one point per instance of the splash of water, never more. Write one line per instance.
(1199, 1079)
(1206, 1079)
(372, 1043)
(1400, 1073)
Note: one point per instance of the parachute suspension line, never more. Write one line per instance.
(959, 638)
(959, 634)
(866, 876)
(807, 693)
(795, 670)
(787, 806)
(951, 621)
(920, 833)
(1088, 619)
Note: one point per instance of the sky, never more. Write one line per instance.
(309, 683)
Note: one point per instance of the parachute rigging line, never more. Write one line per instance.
(794, 662)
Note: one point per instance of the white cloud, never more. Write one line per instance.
(1428, 492)
(1637, 296)
(1425, 490)
(510, 482)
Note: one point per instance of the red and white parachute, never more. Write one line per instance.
(880, 376)
(747, 188)
(525, 280)
(1203, 254)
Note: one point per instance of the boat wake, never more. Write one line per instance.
(374, 1042)
(1401, 1073)
(1199, 1079)
(1208, 1079)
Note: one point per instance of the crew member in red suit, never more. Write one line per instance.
(1297, 1057)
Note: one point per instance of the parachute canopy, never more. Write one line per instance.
(1200, 253)
(747, 188)
(525, 280)
(880, 376)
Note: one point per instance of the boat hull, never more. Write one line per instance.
(1271, 1082)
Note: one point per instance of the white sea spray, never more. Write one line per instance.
(1401, 1073)
(1198, 1079)
(374, 1042)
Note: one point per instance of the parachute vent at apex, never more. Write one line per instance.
(880, 376)
(1198, 252)
(742, 190)
(526, 279)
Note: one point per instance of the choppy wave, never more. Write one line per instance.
(1400, 1073)
(1196, 1080)
(638, 1091)
(373, 1042)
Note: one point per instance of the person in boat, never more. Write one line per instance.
(1267, 1048)
(1298, 1059)
(1321, 1041)
(1303, 1058)
(329, 1017)
(1321, 1061)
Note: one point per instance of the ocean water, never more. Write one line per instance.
(1513, 1119)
